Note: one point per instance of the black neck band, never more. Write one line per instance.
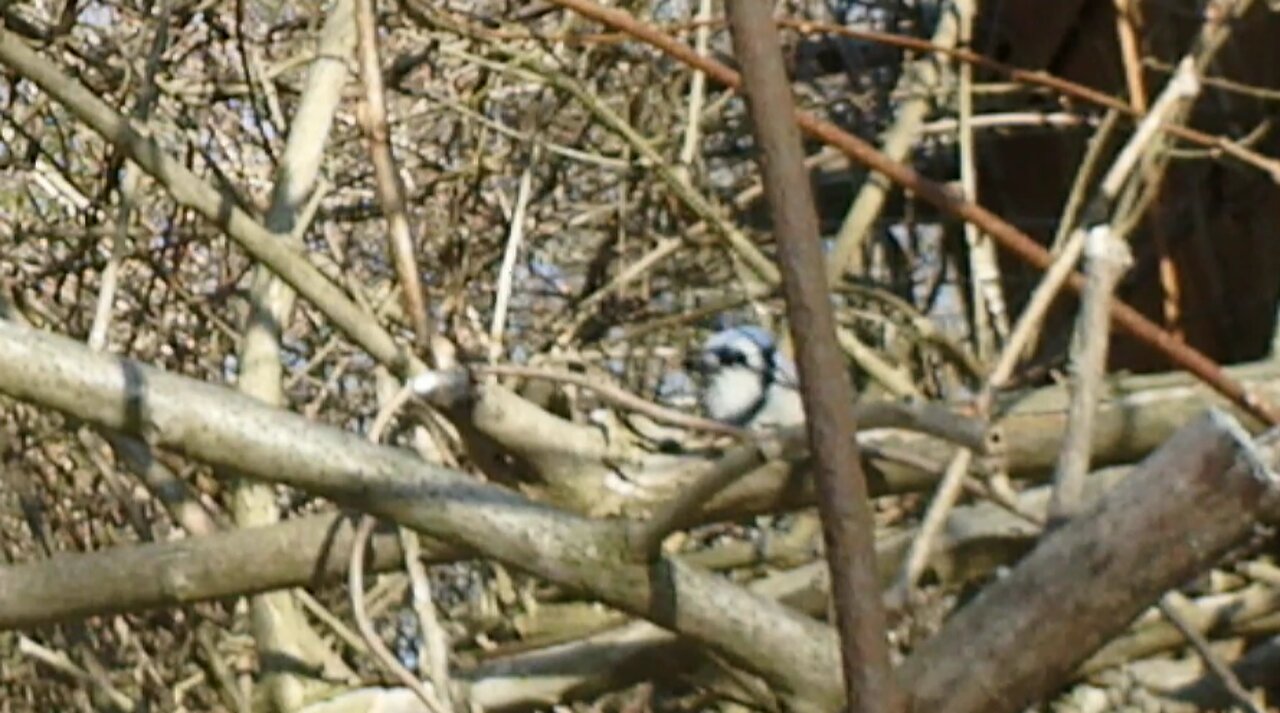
(767, 378)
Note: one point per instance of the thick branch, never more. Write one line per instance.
(225, 429)
(237, 562)
(1201, 493)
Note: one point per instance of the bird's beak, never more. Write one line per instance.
(701, 364)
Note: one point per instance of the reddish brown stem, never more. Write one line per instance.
(1008, 236)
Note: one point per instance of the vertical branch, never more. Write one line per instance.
(280, 628)
(98, 331)
(990, 318)
(1127, 29)
(916, 84)
(846, 516)
(373, 119)
(697, 94)
(1170, 283)
(1106, 259)
(1129, 53)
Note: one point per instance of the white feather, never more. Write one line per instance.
(757, 390)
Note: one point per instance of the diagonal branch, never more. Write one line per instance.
(1074, 592)
(227, 430)
(1004, 233)
(189, 191)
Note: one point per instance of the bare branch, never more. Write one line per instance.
(847, 527)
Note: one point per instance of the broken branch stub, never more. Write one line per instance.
(1202, 492)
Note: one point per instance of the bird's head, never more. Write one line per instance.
(746, 348)
(747, 382)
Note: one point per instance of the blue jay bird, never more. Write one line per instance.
(747, 382)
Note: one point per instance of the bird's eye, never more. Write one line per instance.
(731, 357)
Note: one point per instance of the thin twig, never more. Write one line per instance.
(999, 120)
(355, 582)
(1013, 239)
(1183, 86)
(59, 661)
(990, 314)
(616, 395)
(435, 638)
(432, 632)
(944, 499)
(235, 696)
(1129, 54)
(98, 330)
(326, 617)
(390, 189)
(1169, 606)
(697, 95)
(506, 274)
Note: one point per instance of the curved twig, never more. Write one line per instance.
(355, 582)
